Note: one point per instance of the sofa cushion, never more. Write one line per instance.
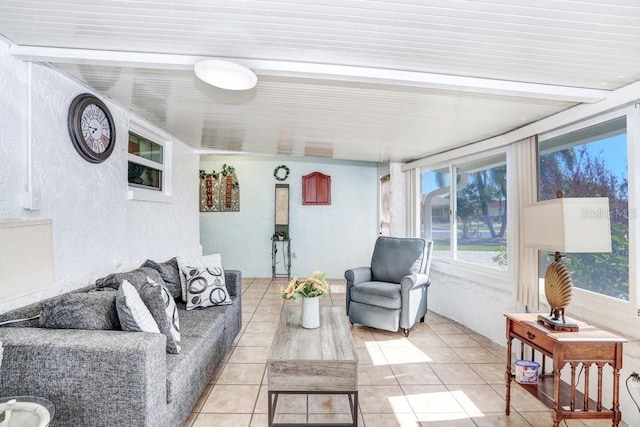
(133, 313)
(170, 274)
(202, 345)
(380, 294)
(204, 282)
(394, 257)
(91, 310)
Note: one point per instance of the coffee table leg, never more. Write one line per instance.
(273, 402)
(355, 409)
(353, 404)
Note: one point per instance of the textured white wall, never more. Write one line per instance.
(329, 238)
(95, 226)
(479, 307)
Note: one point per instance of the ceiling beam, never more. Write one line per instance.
(316, 71)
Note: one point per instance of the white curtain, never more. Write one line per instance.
(527, 176)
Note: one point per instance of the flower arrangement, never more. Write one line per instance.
(314, 286)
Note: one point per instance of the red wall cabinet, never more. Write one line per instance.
(316, 189)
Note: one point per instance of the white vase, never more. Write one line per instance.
(311, 312)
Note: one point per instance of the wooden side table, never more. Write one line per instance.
(587, 347)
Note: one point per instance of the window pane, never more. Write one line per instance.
(143, 176)
(434, 210)
(481, 212)
(144, 148)
(592, 162)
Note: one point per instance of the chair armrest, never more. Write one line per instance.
(413, 290)
(357, 275)
(414, 281)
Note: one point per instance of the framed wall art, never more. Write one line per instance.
(220, 191)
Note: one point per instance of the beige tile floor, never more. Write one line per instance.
(442, 375)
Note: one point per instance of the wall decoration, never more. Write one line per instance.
(316, 189)
(281, 173)
(219, 191)
(282, 205)
(91, 128)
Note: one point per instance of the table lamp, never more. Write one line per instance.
(565, 225)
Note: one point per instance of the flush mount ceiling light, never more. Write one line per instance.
(225, 75)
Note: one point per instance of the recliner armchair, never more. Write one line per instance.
(392, 293)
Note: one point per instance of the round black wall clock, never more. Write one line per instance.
(91, 128)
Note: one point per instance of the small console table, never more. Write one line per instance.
(587, 347)
(285, 247)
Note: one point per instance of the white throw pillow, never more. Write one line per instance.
(133, 314)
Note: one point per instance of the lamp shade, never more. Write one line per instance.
(225, 75)
(568, 224)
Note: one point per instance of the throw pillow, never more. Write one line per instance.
(170, 274)
(133, 313)
(151, 293)
(204, 282)
(197, 262)
(171, 310)
(137, 277)
(91, 310)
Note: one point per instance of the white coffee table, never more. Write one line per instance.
(313, 361)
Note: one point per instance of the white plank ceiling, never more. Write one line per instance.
(348, 79)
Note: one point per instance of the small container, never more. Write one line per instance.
(527, 371)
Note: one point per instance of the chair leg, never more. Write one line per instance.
(422, 319)
(406, 332)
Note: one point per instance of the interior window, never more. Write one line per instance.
(434, 211)
(145, 163)
(477, 233)
(481, 212)
(592, 162)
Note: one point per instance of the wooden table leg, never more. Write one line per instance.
(617, 415)
(507, 377)
(556, 395)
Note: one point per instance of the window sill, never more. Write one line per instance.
(144, 195)
(476, 273)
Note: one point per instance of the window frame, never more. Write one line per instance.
(597, 308)
(490, 276)
(136, 192)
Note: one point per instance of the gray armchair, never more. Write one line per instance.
(392, 293)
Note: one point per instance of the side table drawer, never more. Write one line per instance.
(531, 335)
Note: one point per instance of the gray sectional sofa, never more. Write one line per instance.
(117, 378)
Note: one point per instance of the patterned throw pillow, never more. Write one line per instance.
(204, 282)
(171, 310)
(134, 315)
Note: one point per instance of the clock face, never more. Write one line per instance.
(91, 128)
(96, 129)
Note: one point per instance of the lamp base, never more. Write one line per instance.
(557, 325)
